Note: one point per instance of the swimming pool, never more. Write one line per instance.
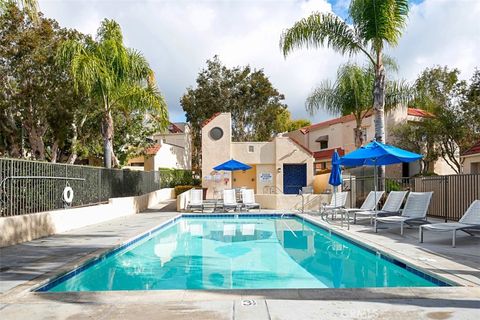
(244, 252)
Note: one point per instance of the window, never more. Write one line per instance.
(475, 167)
(251, 149)
(216, 133)
(323, 144)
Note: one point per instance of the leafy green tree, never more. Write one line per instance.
(351, 93)
(453, 126)
(118, 79)
(285, 123)
(29, 6)
(38, 103)
(248, 94)
(419, 138)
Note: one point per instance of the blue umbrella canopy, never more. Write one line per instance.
(378, 154)
(336, 173)
(232, 165)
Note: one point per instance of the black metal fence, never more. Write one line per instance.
(452, 194)
(31, 186)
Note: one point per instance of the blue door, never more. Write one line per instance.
(294, 178)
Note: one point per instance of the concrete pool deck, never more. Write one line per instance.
(25, 265)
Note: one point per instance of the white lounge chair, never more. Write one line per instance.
(338, 201)
(469, 221)
(391, 207)
(415, 210)
(196, 199)
(370, 202)
(230, 199)
(248, 199)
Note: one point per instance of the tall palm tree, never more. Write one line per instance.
(351, 93)
(119, 79)
(375, 24)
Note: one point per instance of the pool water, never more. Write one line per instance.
(241, 253)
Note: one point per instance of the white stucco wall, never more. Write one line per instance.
(27, 227)
(215, 152)
(471, 163)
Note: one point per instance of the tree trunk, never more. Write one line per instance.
(379, 109)
(107, 134)
(54, 155)
(35, 138)
(358, 133)
(10, 130)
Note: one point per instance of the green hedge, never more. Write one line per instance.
(170, 178)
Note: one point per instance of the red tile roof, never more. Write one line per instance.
(419, 113)
(153, 149)
(204, 123)
(301, 145)
(173, 128)
(330, 122)
(475, 149)
(327, 153)
(410, 111)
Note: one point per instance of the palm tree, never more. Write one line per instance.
(119, 79)
(375, 24)
(351, 93)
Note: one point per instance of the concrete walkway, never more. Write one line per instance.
(22, 265)
(23, 262)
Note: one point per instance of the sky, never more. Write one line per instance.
(178, 36)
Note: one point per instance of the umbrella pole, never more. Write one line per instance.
(375, 187)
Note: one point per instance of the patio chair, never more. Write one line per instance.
(338, 201)
(196, 199)
(248, 199)
(230, 199)
(391, 207)
(469, 221)
(415, 211)
(370, 202)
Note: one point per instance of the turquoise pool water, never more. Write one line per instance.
(241, 253)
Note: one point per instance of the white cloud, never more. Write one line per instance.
(440, 32)
(178, 36)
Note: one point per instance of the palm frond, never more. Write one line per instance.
(320, 30)
(379, 21)
(398, 93)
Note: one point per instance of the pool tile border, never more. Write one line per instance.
(47, 284)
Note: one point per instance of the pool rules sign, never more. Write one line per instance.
(266, 177)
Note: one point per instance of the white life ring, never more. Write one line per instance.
(68, 195)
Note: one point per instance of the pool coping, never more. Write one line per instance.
(454, 282)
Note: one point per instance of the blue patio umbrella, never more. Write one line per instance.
(336, 173)
(232, 165)
(335, 178)
(378, 154)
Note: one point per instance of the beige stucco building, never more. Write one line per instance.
(324, 137)
(172, 150)
(470, 159)
(278, 166)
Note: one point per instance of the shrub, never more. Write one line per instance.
(182, 189)
(392, 185)
(170, 178)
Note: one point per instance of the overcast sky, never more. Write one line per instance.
(177, 37)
